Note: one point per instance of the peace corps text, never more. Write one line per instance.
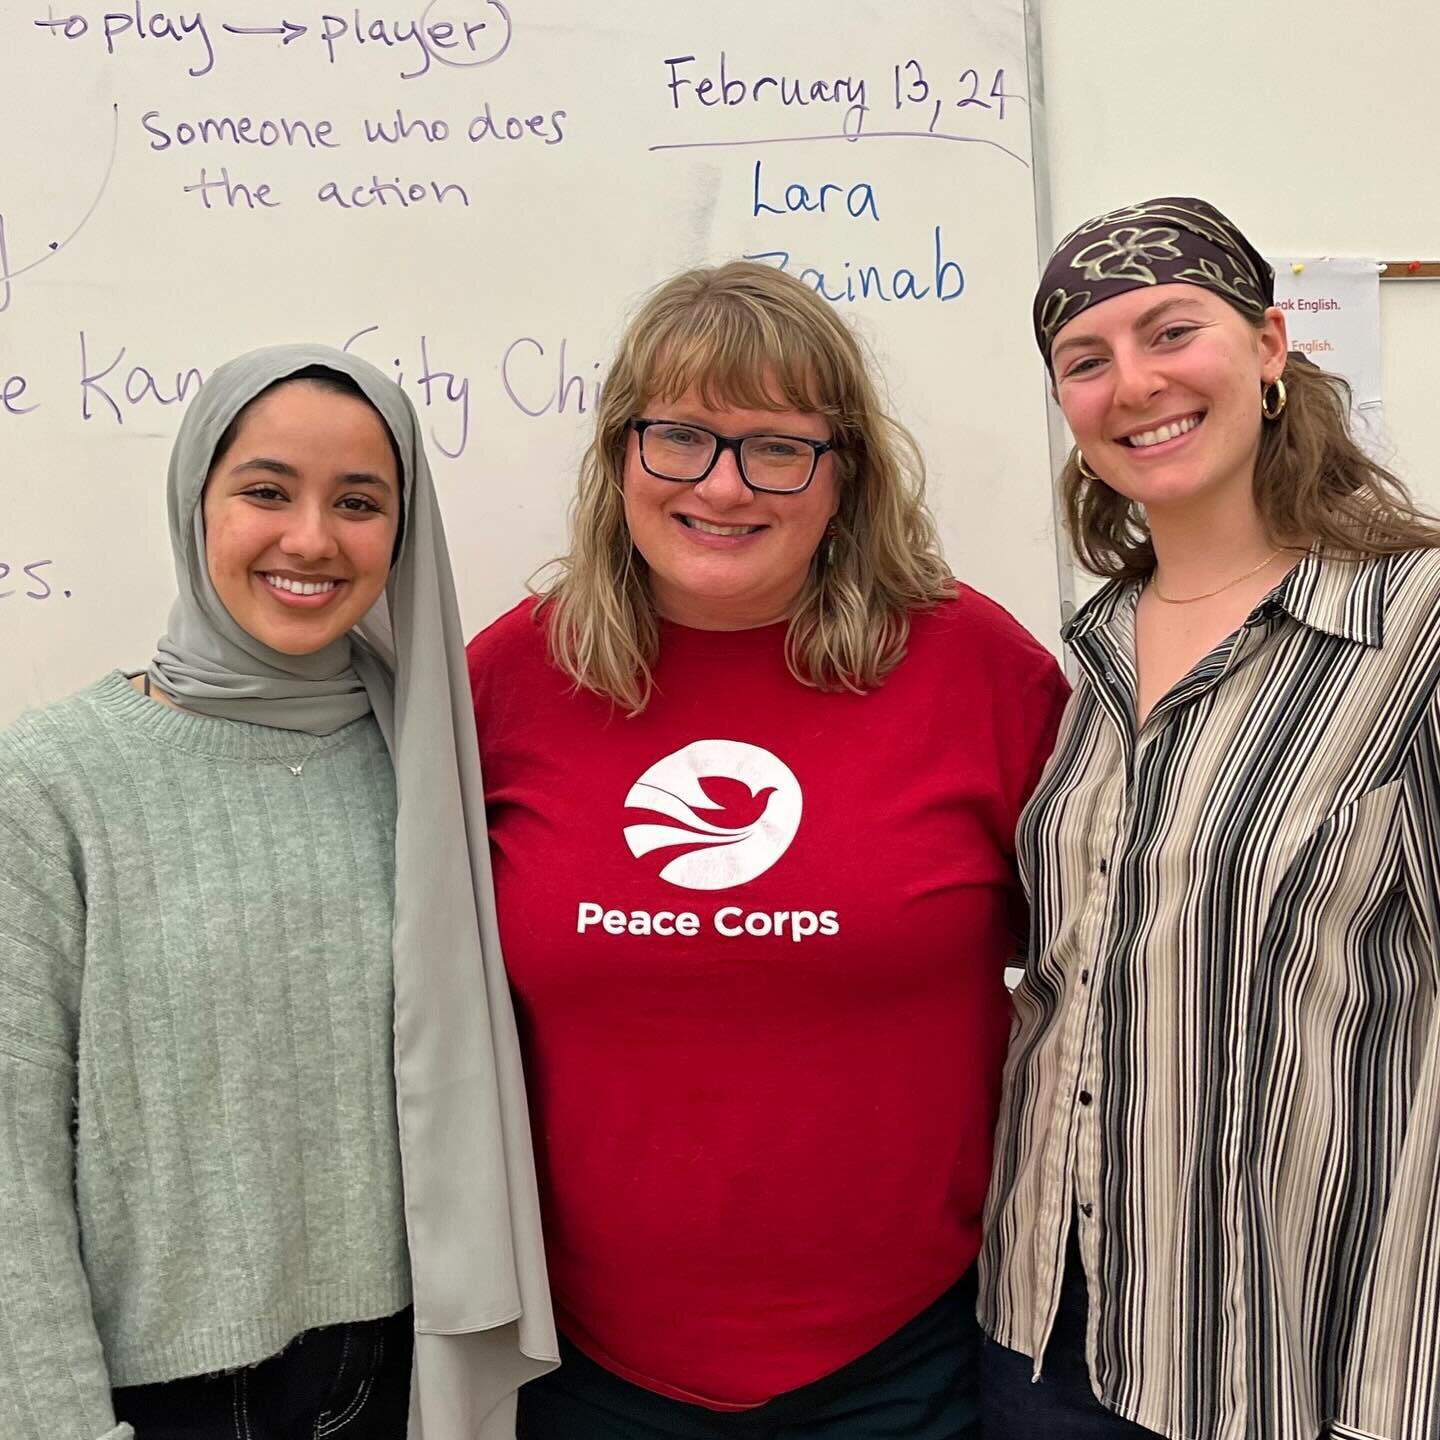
(730, 921)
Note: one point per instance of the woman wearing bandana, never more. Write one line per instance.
(1215, 1209)
(263, 1129)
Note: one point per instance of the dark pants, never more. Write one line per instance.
(920, 1384)
(1060, 1405)
(344, 1382)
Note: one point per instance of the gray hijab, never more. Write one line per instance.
(482, 1306)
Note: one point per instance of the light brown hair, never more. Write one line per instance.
(746, 335)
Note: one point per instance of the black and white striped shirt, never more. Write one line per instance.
(1225, 1068)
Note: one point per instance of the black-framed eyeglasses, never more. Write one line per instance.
(685, 453)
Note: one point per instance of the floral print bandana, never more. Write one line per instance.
(1173, 240)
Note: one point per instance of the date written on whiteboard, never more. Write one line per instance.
(922, 96)
(23, 581)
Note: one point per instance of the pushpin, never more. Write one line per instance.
(1413, 268)
(1298, 268)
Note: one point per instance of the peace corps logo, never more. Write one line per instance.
(729, 808)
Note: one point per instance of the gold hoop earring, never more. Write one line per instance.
(1084, 468)
(1271, 406)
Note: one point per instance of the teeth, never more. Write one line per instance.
(1165, 432)
(710, 529)
(300, 587)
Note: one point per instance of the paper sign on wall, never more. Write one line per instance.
(1332, 311)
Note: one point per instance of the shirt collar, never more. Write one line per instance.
(1341, 597)
(1099, 610)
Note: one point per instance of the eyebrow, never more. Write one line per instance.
(279, 467)
(1148, 317)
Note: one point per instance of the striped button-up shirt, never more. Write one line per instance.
(1225, 1068)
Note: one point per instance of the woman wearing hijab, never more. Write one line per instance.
(1216, 1202)
(263, 1115)
(754, 763)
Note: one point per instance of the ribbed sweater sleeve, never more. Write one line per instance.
(53, 1380)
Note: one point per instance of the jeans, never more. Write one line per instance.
(920, 1384)
(342, 1382)
(1060, 1405)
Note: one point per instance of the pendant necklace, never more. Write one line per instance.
(295, 770)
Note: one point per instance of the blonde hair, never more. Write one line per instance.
(748, 336)
(1313, 485)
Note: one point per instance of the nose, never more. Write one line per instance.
(310, 533)
(1137, 379)
(723, 488)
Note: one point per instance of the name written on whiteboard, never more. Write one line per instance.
(854, 280)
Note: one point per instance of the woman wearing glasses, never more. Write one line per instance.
(753, 764)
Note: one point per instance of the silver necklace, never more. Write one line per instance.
(296, 769)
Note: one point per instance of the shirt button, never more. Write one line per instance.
(1087, 1210)
(1085, 1097)
(1104, 867)
(1084, 977)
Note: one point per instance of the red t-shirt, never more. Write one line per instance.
(757, 936)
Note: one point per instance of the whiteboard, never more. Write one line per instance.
(474, 195)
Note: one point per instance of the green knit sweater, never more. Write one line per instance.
(198, 1148)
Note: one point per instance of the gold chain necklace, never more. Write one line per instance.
(1228, 585)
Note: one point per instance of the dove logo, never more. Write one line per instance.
(730, 810)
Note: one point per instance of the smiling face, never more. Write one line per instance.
(721, 556)
(301, 512)
(1161, 389)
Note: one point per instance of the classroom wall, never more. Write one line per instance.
(1310, 124)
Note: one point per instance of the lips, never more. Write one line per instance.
(1159, 434)
(318, 586)
(709, 527)
(299, 592)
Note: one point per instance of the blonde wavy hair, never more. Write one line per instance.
(1313, 485)
(748, 336)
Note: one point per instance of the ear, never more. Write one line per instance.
(1274, 342)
